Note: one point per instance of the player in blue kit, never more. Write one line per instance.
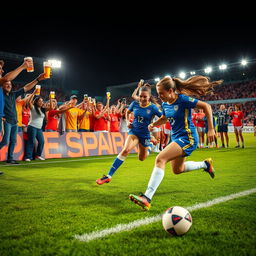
(177, 104)
(138, 134)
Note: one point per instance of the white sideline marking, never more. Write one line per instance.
(61, 161)
(145, 221)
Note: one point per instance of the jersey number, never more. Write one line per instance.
(171, 120)
(140, 119)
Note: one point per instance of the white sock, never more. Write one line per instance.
(191, 166)
(122, 158)
(155, 180)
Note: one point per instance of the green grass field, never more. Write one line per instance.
(45, 204)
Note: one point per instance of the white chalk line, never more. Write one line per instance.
(40, 162)
(148, 220)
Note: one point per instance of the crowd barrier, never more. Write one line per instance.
(247, 129)
(81, 144)
(74, 144)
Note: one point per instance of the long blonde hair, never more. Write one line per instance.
(193, 86)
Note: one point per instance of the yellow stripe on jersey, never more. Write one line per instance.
(146, 105)
(190, 138)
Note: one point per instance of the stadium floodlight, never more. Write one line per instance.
(208, 70)
(55, 63)
(157, 79)
(182, 75)
(243, 62)
(222, 66)
(192, 72)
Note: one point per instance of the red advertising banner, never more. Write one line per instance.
(73, 144)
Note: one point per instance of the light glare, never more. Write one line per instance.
(182, 75)
(222, 66)
(244, 62)
(55, 63)
(208, 70)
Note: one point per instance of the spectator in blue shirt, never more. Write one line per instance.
(10, 115)
(8, 77)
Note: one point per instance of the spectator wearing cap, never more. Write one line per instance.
(72, 115)
(73, 97)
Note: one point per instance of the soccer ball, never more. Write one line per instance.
(177, 220)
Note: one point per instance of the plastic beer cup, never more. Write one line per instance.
(30, 68)
(52, 95)
(38, 89)
(47, 69)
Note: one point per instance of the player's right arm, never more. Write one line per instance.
(162, 120)
(134, 94)
(127, 117)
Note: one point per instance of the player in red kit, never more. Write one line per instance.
(237, 120)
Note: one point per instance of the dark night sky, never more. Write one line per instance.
(96, 55)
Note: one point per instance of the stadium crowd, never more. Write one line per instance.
(39, 111)
(239, 90)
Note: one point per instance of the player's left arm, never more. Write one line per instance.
(208, 112)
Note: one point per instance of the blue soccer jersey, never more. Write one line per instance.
(143, 117)
(179, 116)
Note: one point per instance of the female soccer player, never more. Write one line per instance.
(143, 112)
(177, 104)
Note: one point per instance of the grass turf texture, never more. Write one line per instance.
(44, 205)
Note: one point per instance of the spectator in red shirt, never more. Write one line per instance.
(101, 118)
(26, 111)
(166, 134)
(201, 126)
(53, 115)
(194, 114)
(25, 117)
(237, 120)
(114, 118)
